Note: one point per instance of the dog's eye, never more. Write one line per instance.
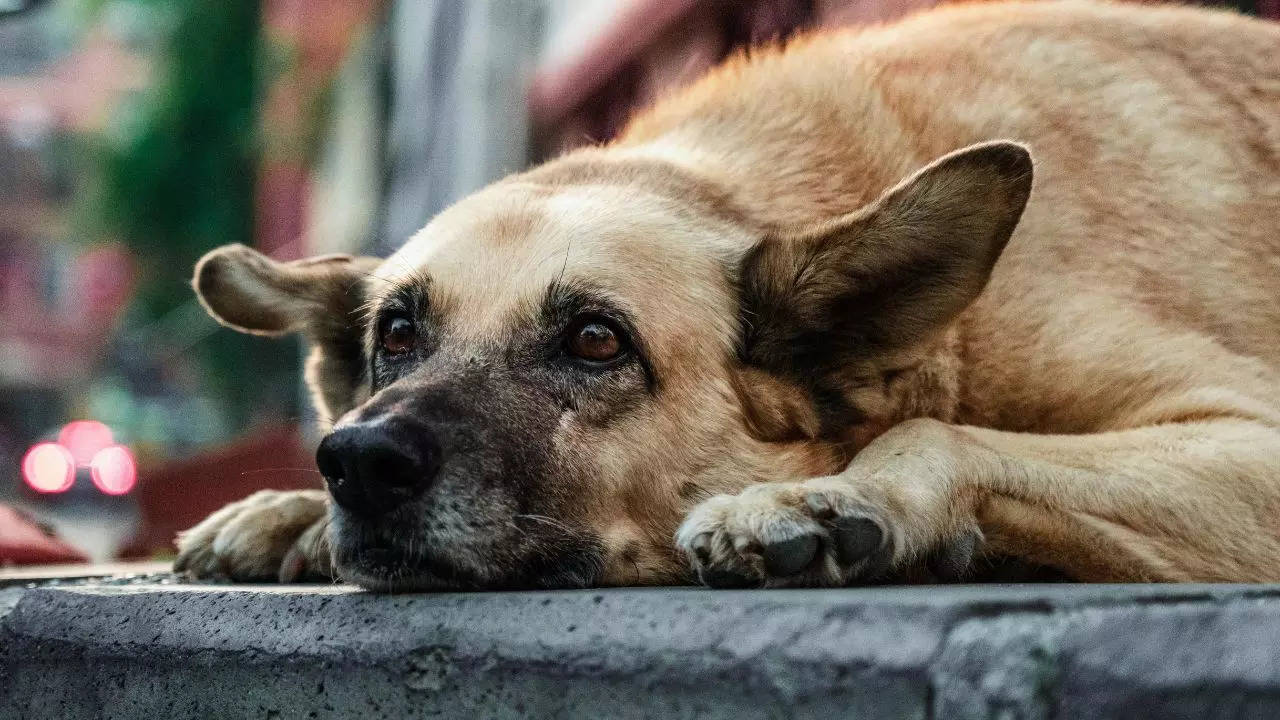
(398, 335)
(594, 340)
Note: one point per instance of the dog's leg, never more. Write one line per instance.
(268, 536)
(1188, 501)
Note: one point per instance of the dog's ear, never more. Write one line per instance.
(317, 297)
(248, 291)
(888, 276)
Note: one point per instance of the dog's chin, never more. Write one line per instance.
(378, 559)
(390, 570)
(396, 580)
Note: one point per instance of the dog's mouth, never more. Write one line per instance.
(392, 556)
(407, 563)
(391, 569)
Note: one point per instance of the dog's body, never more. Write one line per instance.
(840, 394)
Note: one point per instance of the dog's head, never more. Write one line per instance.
(539, 384)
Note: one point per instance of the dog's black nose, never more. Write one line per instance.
(374, 467)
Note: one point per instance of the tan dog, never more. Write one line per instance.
(741, 327)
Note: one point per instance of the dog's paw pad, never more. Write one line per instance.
(855, 538)
(788, 557)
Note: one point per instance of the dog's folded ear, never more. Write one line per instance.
(248, 291)
(318, 297)
(889, 275)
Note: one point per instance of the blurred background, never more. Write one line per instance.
(137, 134)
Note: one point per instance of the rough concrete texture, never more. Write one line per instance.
(1009, 652)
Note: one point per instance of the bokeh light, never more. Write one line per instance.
(113, 470)
(49, 468)
(84, 438)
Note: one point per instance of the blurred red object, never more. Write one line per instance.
(178, 494)
(54, 341)
(24, 542)
(651, 47)
(317, 35)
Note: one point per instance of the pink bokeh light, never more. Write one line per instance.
(113, 470)
(85, 438)
(49, 468)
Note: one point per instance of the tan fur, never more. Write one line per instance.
(1108, 405)
(267, 536)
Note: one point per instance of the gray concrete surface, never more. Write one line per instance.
(147, 650)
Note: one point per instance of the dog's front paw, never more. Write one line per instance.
(268, 536)
(823, 532)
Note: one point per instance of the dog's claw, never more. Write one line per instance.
(818, 505)
(702, 547)
(293, 566)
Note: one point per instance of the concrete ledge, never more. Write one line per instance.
(191, 651)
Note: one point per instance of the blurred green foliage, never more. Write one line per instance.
(180, 179)
(175, 177)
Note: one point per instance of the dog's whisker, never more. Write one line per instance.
(523, 533)
(547, 521)
(567, 249)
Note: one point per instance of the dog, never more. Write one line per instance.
(811, 322)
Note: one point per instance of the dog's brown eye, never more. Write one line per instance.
(595, 341)
(398, 335)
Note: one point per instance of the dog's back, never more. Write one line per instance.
(1149, 254)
